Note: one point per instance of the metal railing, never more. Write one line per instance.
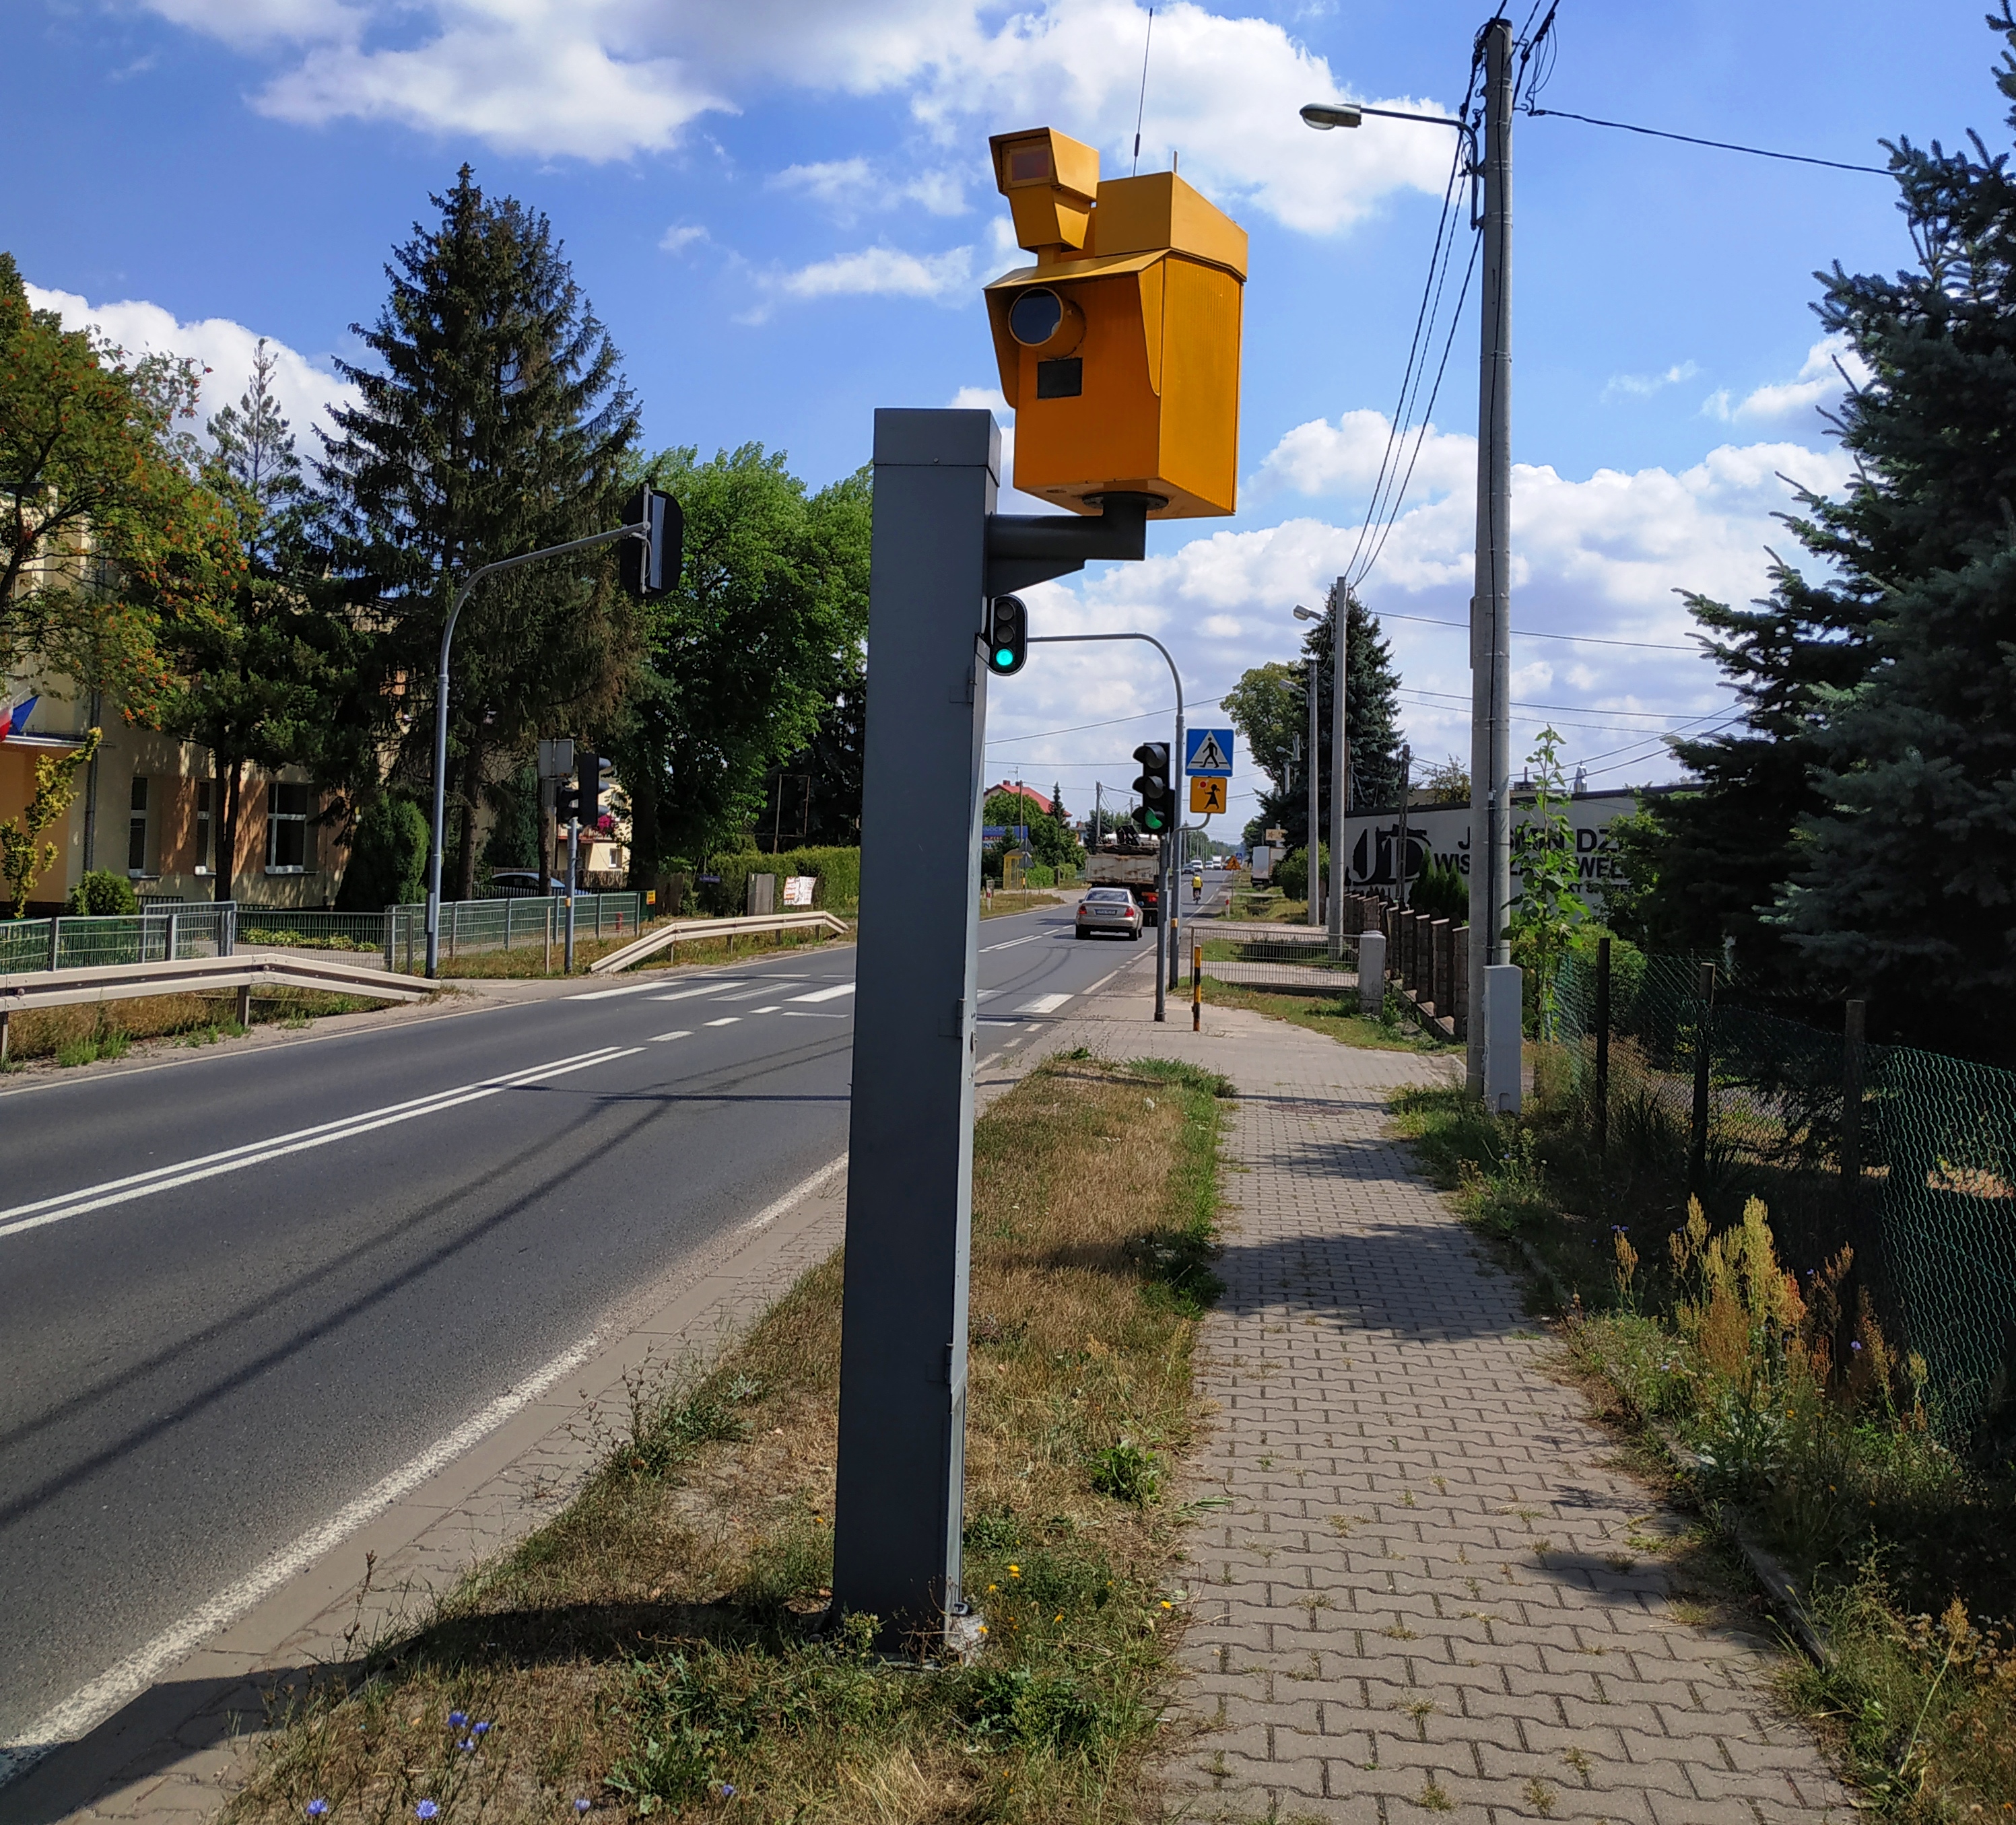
(399, 933)
(156, 934)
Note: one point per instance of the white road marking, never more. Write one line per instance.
(808, 1014)
(1043, 1004)
(659, 1038)
(705, 989)
(90, 1705)
(727, 1020)
(1010, 943)
(136, 1185)
(766, 1010)
(831, 994)
(804, 1189)
(610, 994)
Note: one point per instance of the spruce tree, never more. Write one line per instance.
(1907, 882)
(495, 422)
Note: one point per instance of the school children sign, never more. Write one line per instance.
(1439, 836)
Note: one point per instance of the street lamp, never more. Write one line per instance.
(1493, 1072)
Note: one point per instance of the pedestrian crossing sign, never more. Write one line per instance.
(1208, 751)
(1206, 794)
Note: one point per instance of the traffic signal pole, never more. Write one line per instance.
(645, 530)
(1165, 951)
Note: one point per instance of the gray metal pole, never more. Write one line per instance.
(1400, 850)
(1491, 605)
(903, 1374)
(573, 874)
(1312, 767)
(1340, 757)
(1173, 848)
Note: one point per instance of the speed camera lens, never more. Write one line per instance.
(1034, 317)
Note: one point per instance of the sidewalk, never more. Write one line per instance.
(1429, 1594)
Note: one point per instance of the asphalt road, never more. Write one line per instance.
(236, 1293)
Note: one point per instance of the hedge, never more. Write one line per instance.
(837, 871)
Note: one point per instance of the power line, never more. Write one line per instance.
(1535, 633)
(1108, 722)
(1758, 152)
(1566, 709)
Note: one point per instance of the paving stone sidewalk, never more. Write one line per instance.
(1429, 1595)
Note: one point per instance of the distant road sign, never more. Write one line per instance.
(1208, 751)
(1207, 793)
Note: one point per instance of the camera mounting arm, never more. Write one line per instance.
(1023, 548)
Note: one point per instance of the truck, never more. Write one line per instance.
(1138, 871)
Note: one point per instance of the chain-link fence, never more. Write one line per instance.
(1907, 1157)
(159, 933)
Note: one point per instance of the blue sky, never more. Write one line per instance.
(782, 211)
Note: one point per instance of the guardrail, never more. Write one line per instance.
(245, 971)
(667, 936)
(399, 933)
(162, 933)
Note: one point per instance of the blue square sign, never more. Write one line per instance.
(1207, 753)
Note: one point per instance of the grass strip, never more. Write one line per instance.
(651, 1651)
(1800, 1416)
(90, 1032)
(1335, 1016)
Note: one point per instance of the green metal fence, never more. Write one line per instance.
(159, 933)
(1907, 1157)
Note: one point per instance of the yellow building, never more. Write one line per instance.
(148, 808)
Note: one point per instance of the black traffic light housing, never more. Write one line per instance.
(649, 566)
(1157, 801)
(1007, 636)
(591, 773)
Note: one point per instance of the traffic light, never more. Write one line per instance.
(592, 773)
(650, 566)
(1158, 801)
(1007, 636)
(1119, 348)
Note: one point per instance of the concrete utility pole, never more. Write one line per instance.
(1339, 756)
(1491, 605)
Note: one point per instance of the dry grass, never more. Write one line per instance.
(1334, 1015)
(1023, 899)
(653, 1651)
(83, 1034)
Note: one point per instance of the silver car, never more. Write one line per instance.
(1110, 910)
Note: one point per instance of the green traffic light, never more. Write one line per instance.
(1003, 657)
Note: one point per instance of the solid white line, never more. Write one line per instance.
(90, 1198)
(1009, 944)
(88, 1706)
(659, 1038)
(831, 994)
(804, 1189)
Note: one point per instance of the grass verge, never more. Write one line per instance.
(527, 960)
(88, 1033)
(1336, 1016)
(1001, 905)
(1793, 1410)
(648, 1652)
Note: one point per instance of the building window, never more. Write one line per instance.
(136, 828)
(206, 796)
(286, 829)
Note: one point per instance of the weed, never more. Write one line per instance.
(1540, 1797)
(1127, 1473)
(1434, 1798)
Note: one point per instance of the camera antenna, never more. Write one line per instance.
(1141, 108)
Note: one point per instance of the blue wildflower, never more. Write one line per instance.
(582, 1805)
(457, 1719)
(425, 1809)
(467, 1745)
(317, 1808)
(479, 1729)
(726, 1791)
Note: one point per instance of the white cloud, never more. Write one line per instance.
(887, 272)
(1644, 386)
(983, 399)
(847, 188)
(305, 386)
(1602, 556)
(1320, 458)
(682, 235)
(607, 79)
(1817, 384)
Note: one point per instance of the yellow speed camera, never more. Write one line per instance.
(1119, 348)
